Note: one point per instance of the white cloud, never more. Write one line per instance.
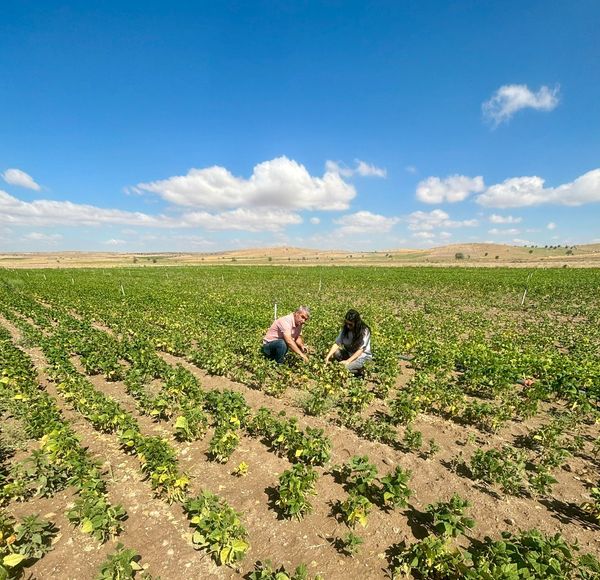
(365, 221)
(509, 99)
(505, 219)
(339, 168)
(367, 170)
(521, 242)
(361, 168)
(423, 235)
(47, 213)
(244, 219)
(527, 191)
(444, 235)
(501, 232)
(437, 218)
(39, 237)
(410, 169)
(114, 242)
(551, 226)
(281, 183)
(451, 189)
(20, 179)
(315, 221)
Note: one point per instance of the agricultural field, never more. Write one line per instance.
(144, 435)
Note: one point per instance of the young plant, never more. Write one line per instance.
(395, 490)
(218, 528)
(122, 564)
(449, 518)
(505, 467)
(355, 509)
(96, 516)
(241, 470)
(351, 543)
(412, 440)
(266, 571)
(295, 487)
(223, 444)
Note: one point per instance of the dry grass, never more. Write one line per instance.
(486, 255)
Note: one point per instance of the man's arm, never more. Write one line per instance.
(292, 344)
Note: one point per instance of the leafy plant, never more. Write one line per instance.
(217, 528)
(395, 490)
(355, 509)
(223, 443)
(122, 564)
(505, 467)
(96, 516)
(448, 517)
(295, 487)
(266, 571)
(351, 543)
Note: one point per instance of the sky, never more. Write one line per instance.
(207, 126)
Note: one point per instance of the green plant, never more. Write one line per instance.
(593, 507)
(351, 543)
(505, 467)
(355, 509)
(395, 490)
(223, 443)
(295, 486)
(412, 440)
(123, 563)
(431, 558)
(96, 516)
(448, 517)
(241, 470)
(266, 571)
(217, 528)
(358, 475)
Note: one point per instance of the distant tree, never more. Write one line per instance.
(496, 257)
(459, 256)
(485, 254)
(531, 251)
(569, 252)
(270, 258)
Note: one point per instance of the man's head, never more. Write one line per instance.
(302, 314)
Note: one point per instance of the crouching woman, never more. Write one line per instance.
(352, 347)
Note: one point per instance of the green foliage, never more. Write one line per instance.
(351, 543)
(394, 487)
(449, 517)
(122, 564)
(295, 487)
(355, 509)
(505, 467)
(223, 444)
(218, 528)
(96, 516)
(266, 571)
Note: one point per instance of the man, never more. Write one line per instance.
(286, 333)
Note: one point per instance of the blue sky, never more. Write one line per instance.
(203, 126)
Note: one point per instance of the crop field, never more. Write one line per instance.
(144, 435)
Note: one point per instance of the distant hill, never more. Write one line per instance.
(486, 255)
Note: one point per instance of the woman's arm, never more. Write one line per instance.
(354, 356)
(335, 347)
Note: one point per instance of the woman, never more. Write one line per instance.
(352, 347)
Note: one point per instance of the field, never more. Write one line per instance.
(137, 410)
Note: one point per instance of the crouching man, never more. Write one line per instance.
(286, 333)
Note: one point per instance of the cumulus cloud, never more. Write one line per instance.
(47, 213)
(315, 221)
(114, 242)
(506, 231)
(505, 219)
(410, 169)
(437, 218)
(281, 183)
(423, 235)
(20, 179)
(361, 168)
(365, 221)
(509, 99)
(528, 191)
(451, 189)
(367, 170)
(40, 237)
(551, 226)
(244, 220)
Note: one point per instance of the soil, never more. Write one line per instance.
(160, 533)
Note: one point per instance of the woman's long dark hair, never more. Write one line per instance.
(359, 330)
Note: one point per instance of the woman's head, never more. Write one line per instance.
(352, 320)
